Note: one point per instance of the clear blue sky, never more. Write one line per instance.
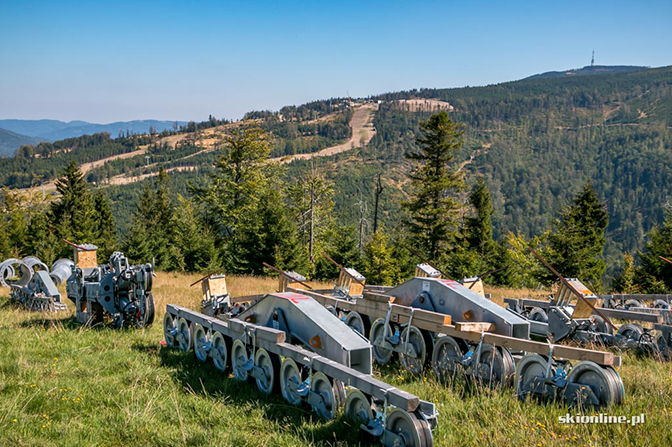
(124, 60)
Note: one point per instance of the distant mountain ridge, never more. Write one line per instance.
(10, 141)
(53, 130)
(589, 70)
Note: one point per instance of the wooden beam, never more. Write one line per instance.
(479, 327)
(517, 344)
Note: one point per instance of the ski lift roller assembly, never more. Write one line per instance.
(290, 344)
(117, 289)
(35, 287)
(439, 323)
(575, 313)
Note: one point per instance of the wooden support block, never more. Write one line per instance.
(475, 327)
(378, 297)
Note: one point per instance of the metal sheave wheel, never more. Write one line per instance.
(150, 310)
(201, 339)
(379, 332)
(169, 329)
(356, 322)
(538, 314)
(290, 378)
(495, 366)
(219, 351)
(417, 342)
(530, 372)
(445, 357)
(184, 334)
(320, 384)
(238, 358)
(408, 427)
(358, 407)
(631, 331)
(269, 365)
(590, 374)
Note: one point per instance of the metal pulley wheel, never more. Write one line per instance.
(290, 378)
(411, 429)
(379, 333)
(413, 359)
(601, 382)
(219, 351)
(238, 359)
(184, 334)
(169, 329)
(446, 356)
(631, 331)
(601, 325)
(356, 322)
(531, 374)
(269, 364)
(495, 366)
(358, 407)
(201, 340)
(538, 314)
(321, 385)
(629, 304)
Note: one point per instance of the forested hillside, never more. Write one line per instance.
(535, 142)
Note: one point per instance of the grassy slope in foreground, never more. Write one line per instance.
(61, 384)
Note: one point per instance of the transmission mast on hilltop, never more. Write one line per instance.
(592, 59)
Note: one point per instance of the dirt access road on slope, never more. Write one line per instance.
(362, 130)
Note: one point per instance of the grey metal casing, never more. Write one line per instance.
(302, 318)
(452, 298)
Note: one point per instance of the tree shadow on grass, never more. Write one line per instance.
(205, 380)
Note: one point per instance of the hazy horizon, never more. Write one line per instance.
(185, 61)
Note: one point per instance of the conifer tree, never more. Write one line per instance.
(341, 246)
(14, 226)
(106, 235)
(152, 233)
(41, 240)
(655, 275)
(479, 227)
(73, 213)
(625, 281)
(194, 239)
(379, 264)
(267, 235)
(432, 206)
(241, 174)
(577, 245)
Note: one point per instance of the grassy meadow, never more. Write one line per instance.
(62, 384)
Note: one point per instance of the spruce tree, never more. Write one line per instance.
(379, 264)
(576, 247)
(41, 239)
(655, 274)
(432, 207)
(73, 213)
(152, 233)
(267, 235)
(341, 246)
(106, 235)
(479, 227)
(241, 174)
(625, 281)
(194, 239)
